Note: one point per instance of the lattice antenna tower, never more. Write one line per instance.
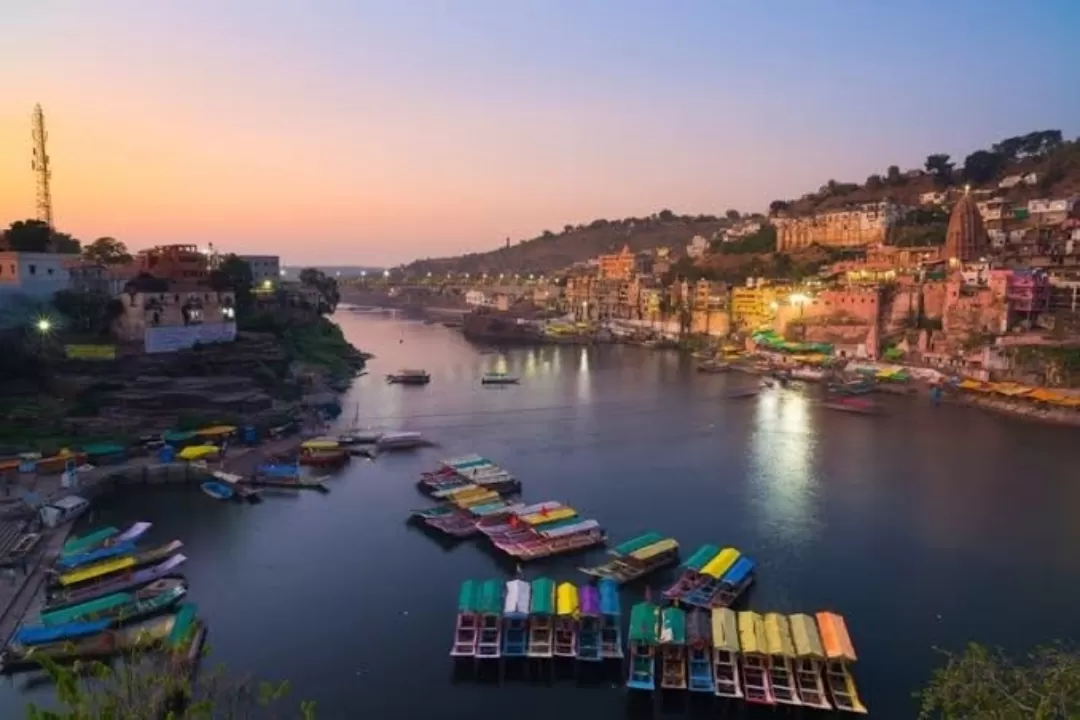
(42, 171)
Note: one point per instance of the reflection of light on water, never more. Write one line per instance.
(500, 364)
(584, 386)
(781, 453)
(530, 363)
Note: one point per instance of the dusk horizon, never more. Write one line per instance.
(375, 134)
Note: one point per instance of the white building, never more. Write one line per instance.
(1011, 181)
(741, 229)
(935, 197)
(697, 247)
(263, 268)
(993, 209)
(475, 298)
(36, 275)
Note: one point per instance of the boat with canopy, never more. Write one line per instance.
(755, 659)
(588, 637)
(515, 632)
(725, 657)
(566, 620)
(642, 638)
(839, 654)
(781, 649)
(673, 648)
(541, 610)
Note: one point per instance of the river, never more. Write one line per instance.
(931, 526)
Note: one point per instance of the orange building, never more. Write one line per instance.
(178, 263)
(619, 266)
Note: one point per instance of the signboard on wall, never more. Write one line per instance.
(90, 352)
(182, 337)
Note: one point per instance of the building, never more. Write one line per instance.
(867, 224)
(617, 266)
(1011, 181)
(35, 275)
(742, 228)
(752, 307)
(175, 263)
(105, 279)
(175, 316)
(697, 247)
(1051, 212)
(1027, 291)
(934, 198)
(476, 298)
(651, 304)
(965, 238)
(264, 268)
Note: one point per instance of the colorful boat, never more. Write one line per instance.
(588, 637)
(218, 490)
(642, 637)
(129, 580)
(501, 524)
(104, 644)
(673, 648)
(755, 659)
(733, 583)
(839, 654)
(637, 558)
(541, 610)
(489, 643)
(611, 646)
(699, 652)
(321, 443)
(117, 565)
(691, 572)
(323, 458)
(554, 541)
(84, 543)
(467, 627)
(567, 608)
(39, 635)
(515, 632)
(781, 650)
(809, 657)
(711, 573)
(121, 607)
(71, 562)
(725, 642)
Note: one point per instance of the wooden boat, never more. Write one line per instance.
(409, 377)
(725, 654)
(489, 641)
(755, 659)
(642, 637)
(320, 444)
(400, 440)
(467, 627)
(116, 565)
(588, 637)
(104, 644)
(857, 406)
(637, 558)
(699, 652)
(839, 654)
(59, 462)
(323, 458)
(691, 576)
(30, 635)
(743, 394)
(781, 649)
(711, 574)
(522, 521)
(515, 631)
(217, 490)
(97, 622)
(733, 583)
(807, 374)
(120, 606)
(129, 580)
(71, 562)
(556, 542)
(294, 483)
(673, 648)
(496, 378)
(809, 657)
(541, 610)
(611, 646)
(852, 387)
(713, 366)
(84, 543)
(566, 620)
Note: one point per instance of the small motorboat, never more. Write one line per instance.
(409, 377)
(497, 378)
(359, 437)
(743, 394)
(400, 441)
(323, 458)
(858, 406)
(713, 366)
(218, 490)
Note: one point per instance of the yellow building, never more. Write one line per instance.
(753, 307)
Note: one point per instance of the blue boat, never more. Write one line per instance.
(588, 636)
(43, 634)
(611, 647)
(71, 562)
(515, 635)
(734, 583)
(218, 490)
(699, 650)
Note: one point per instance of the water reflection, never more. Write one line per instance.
(781, 464)
(584, 383)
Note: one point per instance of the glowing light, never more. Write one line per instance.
(43, 325)
(363, 273)
(774, 306)
(267, 285)
(386, 273)
(798, 298)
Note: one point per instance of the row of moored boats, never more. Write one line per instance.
(423, 377)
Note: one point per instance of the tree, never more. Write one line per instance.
(732, 214)
(37, 236)
(88, 312)
(893, 176)
(982, 166)
(547, 234)
(567, 229)
(939, 166)
(874, 183)
(778, 206)
(984, 683)
(234, 274)
(106, 251)
(665, 215)
(326, 285)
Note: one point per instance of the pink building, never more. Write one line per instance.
(1027, 291)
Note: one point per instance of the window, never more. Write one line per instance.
(50, 271)
(33, 269)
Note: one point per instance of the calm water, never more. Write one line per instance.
(928, 527)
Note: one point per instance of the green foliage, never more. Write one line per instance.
(87, 312)
(326, 285)
(106, 251)
(763, 241)
(985, 684)
(732, 214)
(982, 166)
(939, 166)
(313, 340)
(893, 176)
(234, 274)
(37, 236)
(665, 215)
(779, 206)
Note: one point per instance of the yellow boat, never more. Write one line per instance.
(721, 563)
(540, 518)
(216, 431)
(198, 452)
(96, 570)
(320, 444)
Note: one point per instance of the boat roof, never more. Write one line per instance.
(738, 572)
(580, 527)
(752, 633)
(543, 596)
(778, 635)
(517, 597)
(466, 461)
(321, 444)
(657, 548)
(697, 626)
(547, 506)
(468, 597)
(590, 600)
(561, 513)
(557, 524)
(725, 630)
(804, 632)
(637, 543)
(609, 596)
(69, 502)
(834, 637)
(566, 599)
(491, 600)
(489, 508)
(721, 563)
(216, 430)
(701, 557)
(673, 626)
(644, 617)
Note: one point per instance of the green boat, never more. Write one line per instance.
(183, 627)
(121, 607)
(77, 545)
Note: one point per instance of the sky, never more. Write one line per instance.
(376, 132)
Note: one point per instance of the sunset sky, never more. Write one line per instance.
(353, 132)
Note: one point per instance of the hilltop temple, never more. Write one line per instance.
(965, 239)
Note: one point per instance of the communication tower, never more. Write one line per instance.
(42, 171)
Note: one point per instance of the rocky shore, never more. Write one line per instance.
(1023, 409)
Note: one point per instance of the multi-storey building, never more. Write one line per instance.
(617, 266)
(264, 268)
(36, 275)
(867, 224)
(177, 263)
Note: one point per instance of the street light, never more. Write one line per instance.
(386, 273)
(43, 325)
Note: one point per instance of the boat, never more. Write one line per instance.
(691, 575)
(859, 406)
(76, 545)
(541, 610)
(757, 687)
(743, 394)
(70, 562)
(320, 443)
(290, 483)
(489, 640)
(409, 377)
(634, 560)
(839, 654)
(713, 366)
(642, 638)
(588, 637)
(809, 657)
(217, 490)
(400, 441)
(498, 378)
(781, 650)
(515, 631)
(467, 627)
(556, 541)
(611, 646)
(323, 458)
(725, 655)
(734, 583)
(358, 436)
(104, 644)
(711, 574)
(699, 652)
(116, 565)
(852, 387)
(131, 579)
(566, 620)
(807, 374)
(123, 606)
(39, 635)
(673, 648)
